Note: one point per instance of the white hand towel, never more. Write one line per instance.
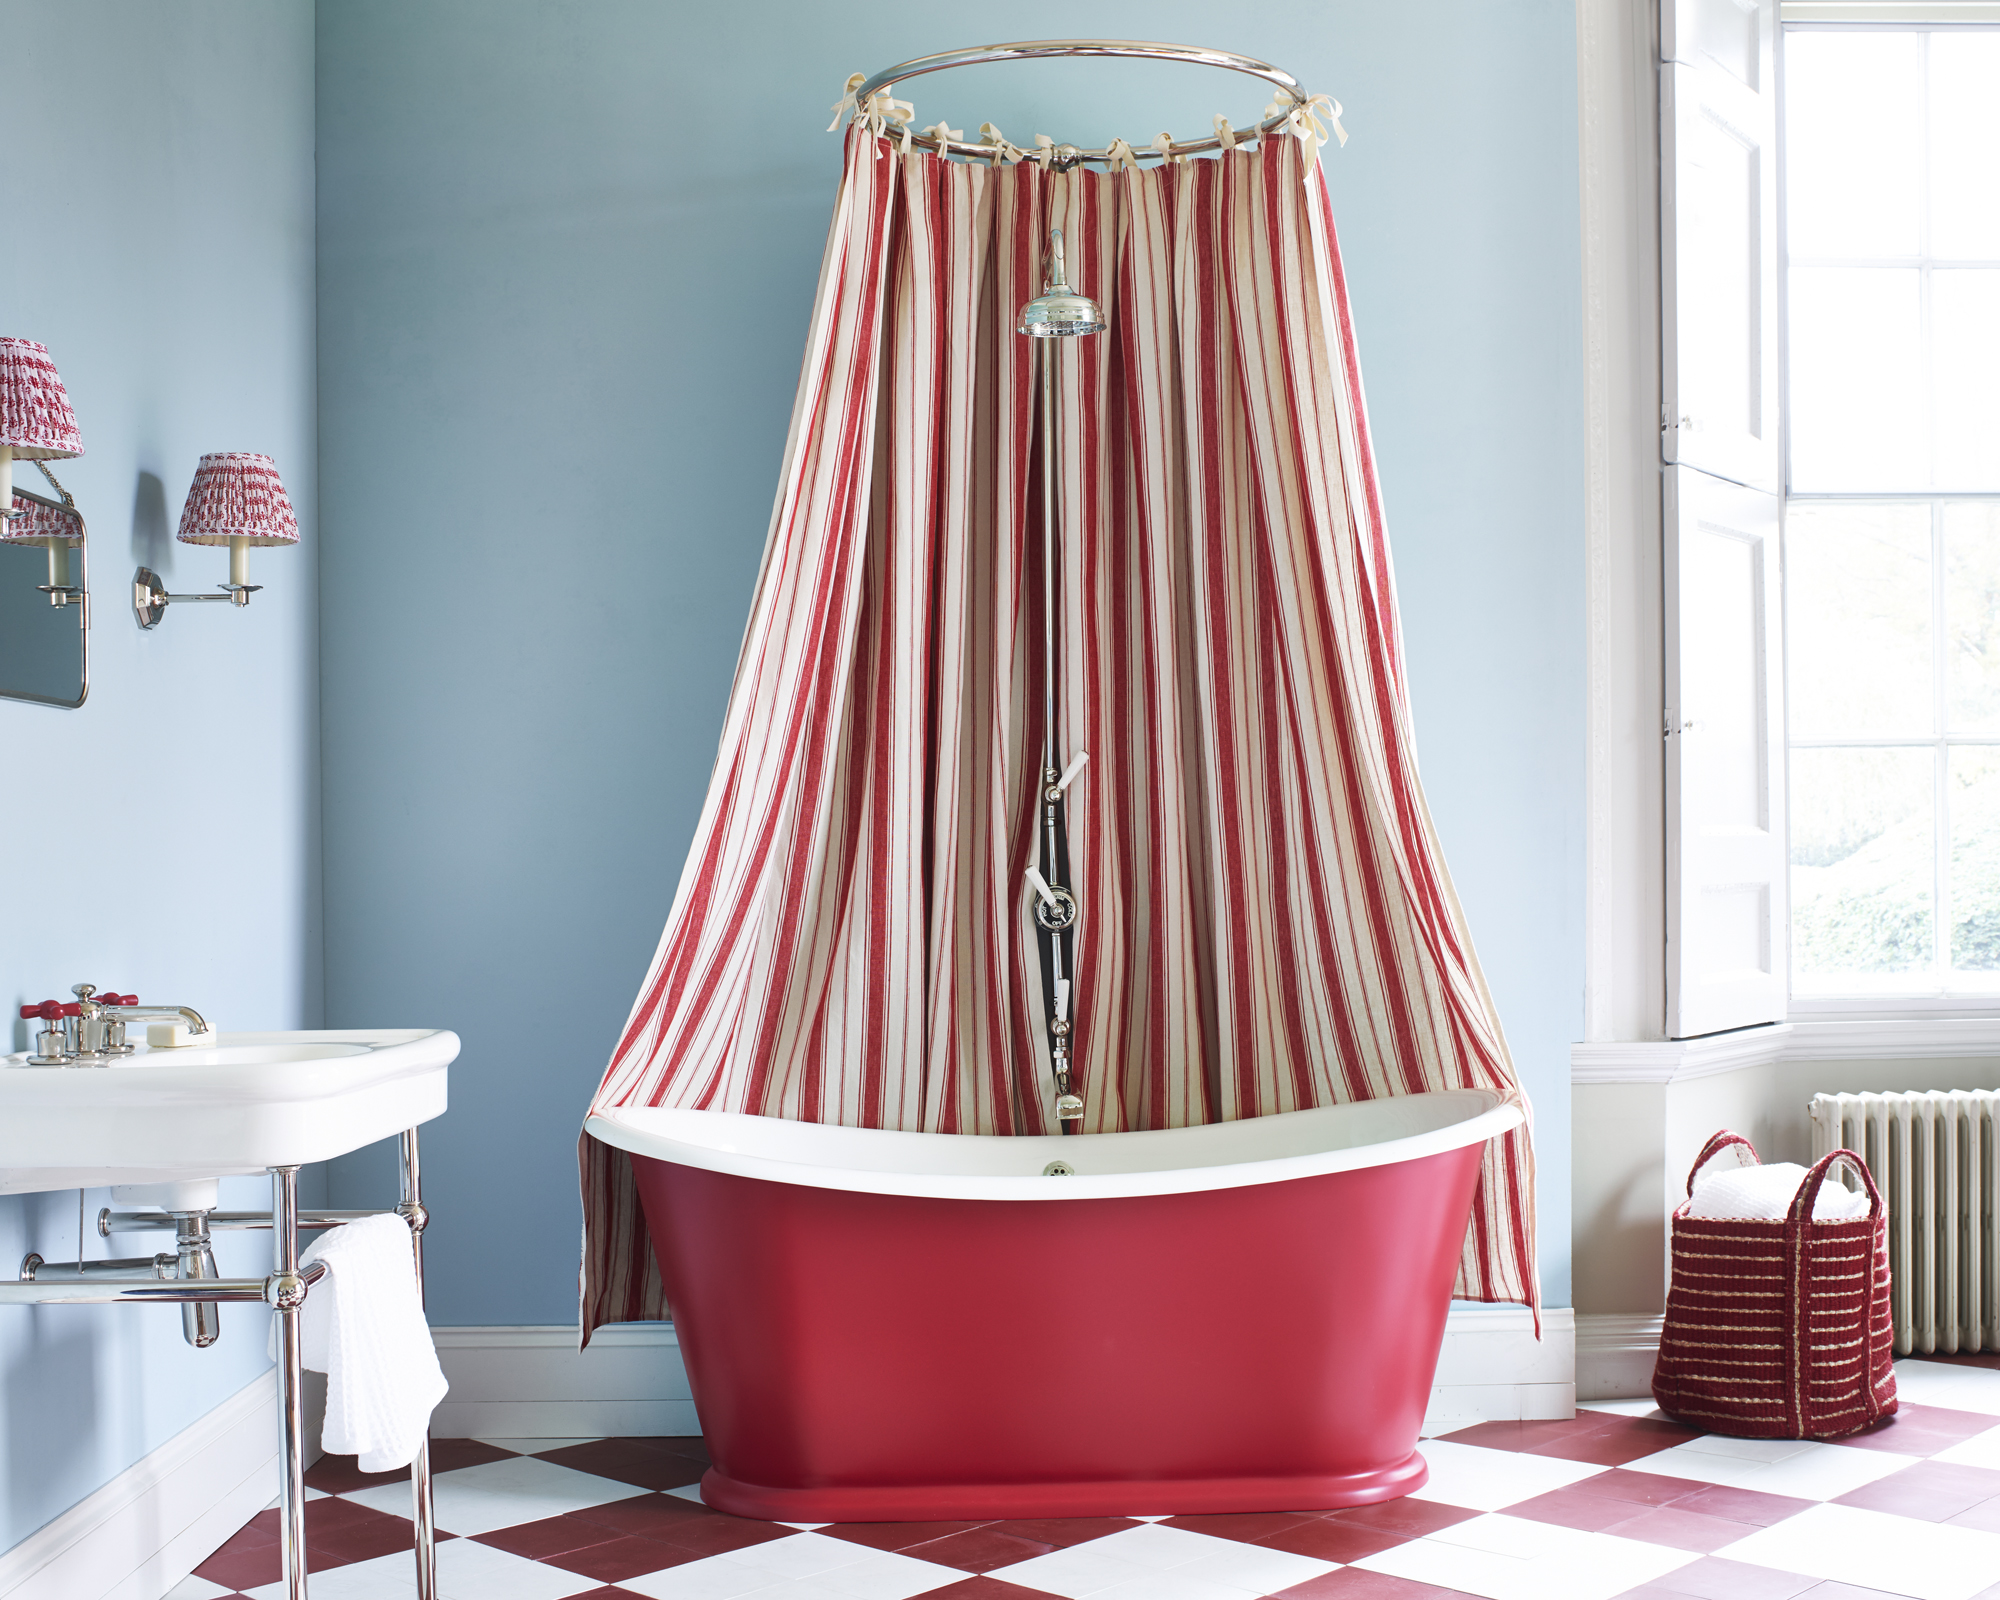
(362, 1325)
(1765, 1194)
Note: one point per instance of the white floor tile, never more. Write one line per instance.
(888, 1576)
(500, 1494)
(1081, 1570)
(1873, 1550)
(1181, 1585)
(801, 1555)
(711, 1578)
(1937, 1383)
(1807, 1471)
(468, 1570)
(803, 1527)
(1981, 1450)
(194, 1588)
(311, 1494)
(1621, 1408)
(1256, 1567)
(390, 1577)
(1159, 1549)
(692, 1491)
(1479, 1479)
(1538, 1562)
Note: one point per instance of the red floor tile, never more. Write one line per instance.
(1681, 1529)
(1326, 1539)
(1247, 1526)
(639, 1461)
(551, 1536)
(978, 1589)
(1623, 1439)
(1742, 1505)
(1576, 1508)
(609, 1592)
(1355, 1584)
(1930, 1491)
(1412, 1518)
(649, 1516)
(977, 1549)
(1641, 1488)
(717, 1535)
(1059, 1533)
(897, 1535)
(1920, 1430)
(621, 1559)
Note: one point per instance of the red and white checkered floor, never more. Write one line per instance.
(1616, 1502)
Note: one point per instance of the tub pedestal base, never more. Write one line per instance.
(965, 1502)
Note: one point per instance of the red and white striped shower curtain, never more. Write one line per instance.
(1267, 921)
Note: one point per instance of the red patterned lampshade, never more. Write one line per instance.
(237, 496)
(35, 417)
(33, 522)
(36, 422)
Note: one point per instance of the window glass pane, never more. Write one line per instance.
(1972, 615)
(1974, 796)
(1965, 144)
(1853, 141)
(1862, 868)
(1965, 338)
(1858, 620)
(1858, 404)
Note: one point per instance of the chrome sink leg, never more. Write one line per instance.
(412, 1212)
(287, 1292)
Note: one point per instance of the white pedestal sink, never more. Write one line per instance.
(246, 1103)
(241, 1103)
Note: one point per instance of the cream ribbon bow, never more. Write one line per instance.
(946, 137)
(1045, 150)
(1003, 148)
(1224, 132)
(1164, 143)
(882, 110)
(1305, 116)
(1120, 154)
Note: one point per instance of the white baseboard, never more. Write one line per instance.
(160, 1518)
(533, 1383)
(1615, 1352)
(1493, 1369)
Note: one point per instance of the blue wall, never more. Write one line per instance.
(163, 839)
(566, 255)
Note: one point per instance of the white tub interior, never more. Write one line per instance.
(970, 1166)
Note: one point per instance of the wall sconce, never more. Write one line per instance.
(34, 520)
(237, 499)
(36, 423)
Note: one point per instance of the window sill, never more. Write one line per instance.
(1811, 1037)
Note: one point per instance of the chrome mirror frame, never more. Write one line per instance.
(81, 556)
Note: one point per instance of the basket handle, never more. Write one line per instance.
(1802, 1202)
(1715, 1146)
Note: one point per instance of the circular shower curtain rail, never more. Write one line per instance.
(1141, 49)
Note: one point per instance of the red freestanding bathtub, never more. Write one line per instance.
(915, 1327)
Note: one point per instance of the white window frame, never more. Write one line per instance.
(1925, 16)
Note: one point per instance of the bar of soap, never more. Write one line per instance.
(171, 1035)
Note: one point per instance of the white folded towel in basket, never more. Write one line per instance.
(363, 1326)
(1765, 1194)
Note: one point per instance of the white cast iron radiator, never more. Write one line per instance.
(1935, 1155)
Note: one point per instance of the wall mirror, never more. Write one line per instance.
(44, 603)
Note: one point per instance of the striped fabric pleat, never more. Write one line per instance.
(1267, 920)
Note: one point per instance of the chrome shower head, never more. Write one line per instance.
(1059, 312)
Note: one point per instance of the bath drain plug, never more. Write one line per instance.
(1059, 1169)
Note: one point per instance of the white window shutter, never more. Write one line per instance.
(1718, 237)
(1725, 773)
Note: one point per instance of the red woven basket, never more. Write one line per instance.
(1779, 1330)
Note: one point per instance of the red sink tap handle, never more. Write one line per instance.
(120, 999)
(72, 1009)
(48, 1011)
